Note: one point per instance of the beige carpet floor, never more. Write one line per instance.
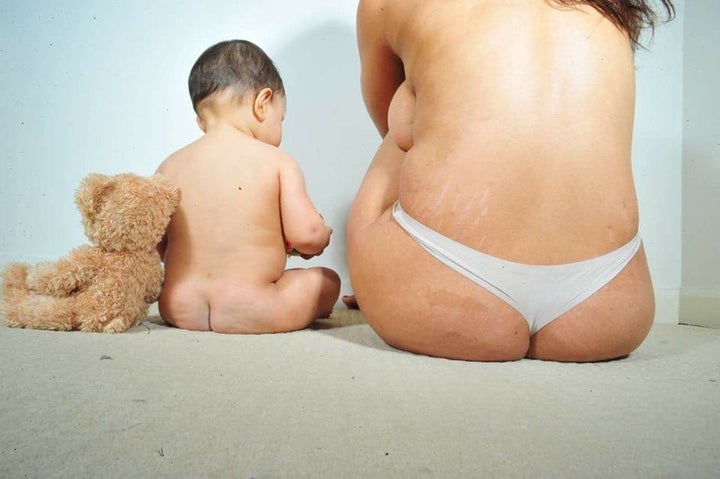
(334, 401)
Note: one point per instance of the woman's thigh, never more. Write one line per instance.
(610, 324)
(410, 299)
(418, 304)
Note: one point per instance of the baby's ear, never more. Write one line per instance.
(200, 123)
(261, 103)
(92, 190)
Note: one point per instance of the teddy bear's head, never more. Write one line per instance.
(126, 212)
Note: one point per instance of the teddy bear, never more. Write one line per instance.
(109, 285)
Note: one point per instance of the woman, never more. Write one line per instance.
(499, 218)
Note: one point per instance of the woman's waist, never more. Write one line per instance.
(517, 239)
(524, 219)
(467, 165)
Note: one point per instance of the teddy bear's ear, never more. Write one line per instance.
(92, 190)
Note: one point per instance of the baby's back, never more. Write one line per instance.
(227, 228)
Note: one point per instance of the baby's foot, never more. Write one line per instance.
(350, 301)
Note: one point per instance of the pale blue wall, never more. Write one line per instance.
(701, 165)
(93, 86)
(701, 168)
(657, 159)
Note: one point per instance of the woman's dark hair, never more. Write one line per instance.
(238, 65)
(631, 16)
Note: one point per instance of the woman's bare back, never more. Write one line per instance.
(522, 127)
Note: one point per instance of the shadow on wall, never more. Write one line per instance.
(327, 129)
(701, 222)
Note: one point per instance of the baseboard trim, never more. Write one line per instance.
(700, 310)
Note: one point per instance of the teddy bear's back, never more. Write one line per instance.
(120, 290)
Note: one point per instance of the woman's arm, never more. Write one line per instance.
(381, 70)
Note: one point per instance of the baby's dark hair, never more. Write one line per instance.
(237, 65)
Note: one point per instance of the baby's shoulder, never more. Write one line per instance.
(176, 158)
(274, 155)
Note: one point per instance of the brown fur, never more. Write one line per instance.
(106, 287)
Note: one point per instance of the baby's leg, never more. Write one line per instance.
(297, 299)
(313, 291)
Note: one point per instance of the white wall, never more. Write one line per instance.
(701, 165)
(657, 159)
(93, 86)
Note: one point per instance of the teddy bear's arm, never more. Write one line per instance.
(68, 274)
(153, 292)
(155, 282)
(153, 276)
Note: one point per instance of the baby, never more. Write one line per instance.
(243, 207)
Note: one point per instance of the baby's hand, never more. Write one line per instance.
(329, 233)
(291, 251)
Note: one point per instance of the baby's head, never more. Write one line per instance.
(239, 73)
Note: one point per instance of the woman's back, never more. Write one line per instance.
(522, 126)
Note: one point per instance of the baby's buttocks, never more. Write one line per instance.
(219, 304)
(185, 305)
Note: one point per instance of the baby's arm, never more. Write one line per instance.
(303, 226)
